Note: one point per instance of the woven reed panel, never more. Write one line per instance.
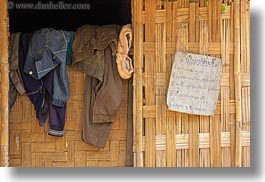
(164, 138)
(31, 146)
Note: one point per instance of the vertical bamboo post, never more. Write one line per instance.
(4, 82)
(149, 84)
(171, 152)
(193, 120)
(214, 17)
(214, 21)
(237, 75)
(138, 80)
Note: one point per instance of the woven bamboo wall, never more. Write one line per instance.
(31, 146)
(165, 138)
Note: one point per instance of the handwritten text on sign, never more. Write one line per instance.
(194, 84)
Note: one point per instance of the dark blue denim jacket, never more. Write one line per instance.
(47, 51)
(40, 92)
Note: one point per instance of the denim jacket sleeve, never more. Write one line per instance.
(58, 43)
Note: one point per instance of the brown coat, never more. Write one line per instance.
(94, 52)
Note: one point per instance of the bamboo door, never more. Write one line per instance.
(164, 138)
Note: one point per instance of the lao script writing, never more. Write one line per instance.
(194, 84)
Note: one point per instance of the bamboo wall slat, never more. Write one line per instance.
(4, 140)
(172, 139)
(138, 7)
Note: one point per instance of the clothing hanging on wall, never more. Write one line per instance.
(15, 84)
(42, 58)
(41, 91)
(47, 51)
(94, 51)
(124, 62)
(69, 50)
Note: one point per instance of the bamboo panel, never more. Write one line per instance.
(31, 146)
(165, 138)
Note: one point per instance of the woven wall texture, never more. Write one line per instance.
(31, 146)
(166, 138)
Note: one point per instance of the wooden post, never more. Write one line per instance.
(214, 21)
(193, 119)
(149, 84)
(4, 83)
(138, 82)
(237, 75)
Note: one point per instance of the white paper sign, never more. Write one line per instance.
(194, 84)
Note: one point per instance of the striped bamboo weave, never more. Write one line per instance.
(164, 138)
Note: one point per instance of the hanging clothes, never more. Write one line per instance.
(70, 50)
(47, 51)
(15, 84)
(94, 51)
(124, 62)
(41, 92)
